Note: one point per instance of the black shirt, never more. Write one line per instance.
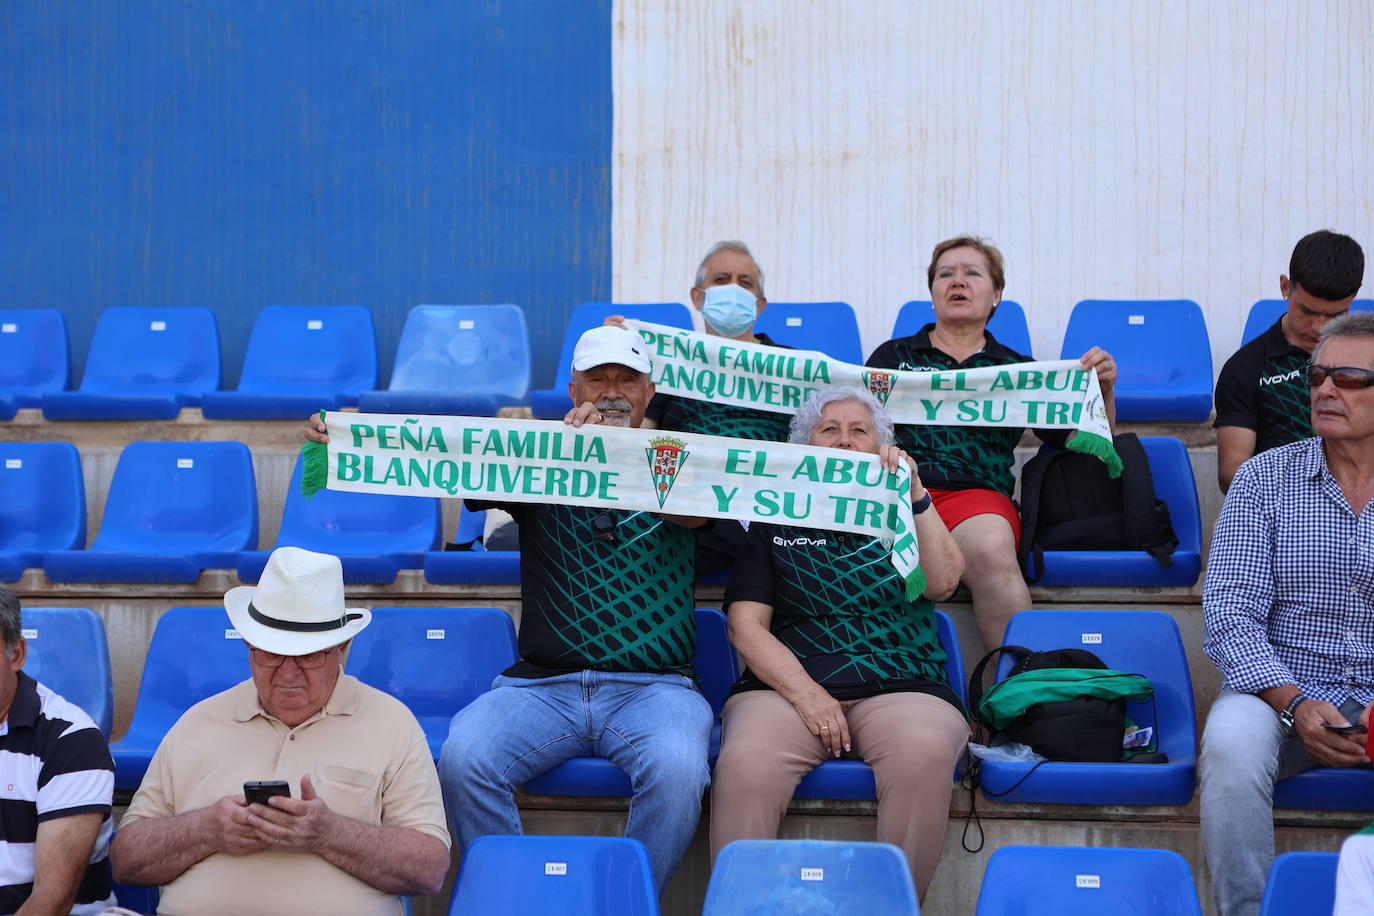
(1262, 387)
(626, 605)
(840, 606)
(958, 457)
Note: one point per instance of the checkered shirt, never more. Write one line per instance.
(1289, 597)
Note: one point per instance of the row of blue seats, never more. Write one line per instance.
(437, 660)
(148, 363)
(611, 877)
(174, 509)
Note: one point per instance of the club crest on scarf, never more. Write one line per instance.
(880, 383)
(666, 457)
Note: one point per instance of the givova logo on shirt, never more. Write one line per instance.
(880, 383)
(666, 456)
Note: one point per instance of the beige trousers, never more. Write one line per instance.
(911, 740)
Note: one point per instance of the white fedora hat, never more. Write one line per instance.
(297, 607)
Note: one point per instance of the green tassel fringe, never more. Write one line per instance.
(915, 585)
(1090, 444)
(314, 466)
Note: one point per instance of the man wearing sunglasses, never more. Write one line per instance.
(361, 820)
(1261, 395)
(1289, 615)
(607, 635)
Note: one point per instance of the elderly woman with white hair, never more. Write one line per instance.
(839, 661)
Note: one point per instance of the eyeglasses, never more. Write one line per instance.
(304, 662)
(1341, 376)
(604, 527)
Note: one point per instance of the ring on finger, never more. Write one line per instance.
(825, 728)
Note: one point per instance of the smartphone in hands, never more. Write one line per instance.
(259, 791)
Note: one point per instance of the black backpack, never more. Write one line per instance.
(1082, 729)
(1069, 502)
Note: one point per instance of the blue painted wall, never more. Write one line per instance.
(239, 154)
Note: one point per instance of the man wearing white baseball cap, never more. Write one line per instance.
(351, 814)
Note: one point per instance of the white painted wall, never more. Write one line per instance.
(1147, 149)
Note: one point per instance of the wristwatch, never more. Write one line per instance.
(1286, 717)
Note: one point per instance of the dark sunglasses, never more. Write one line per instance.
(1341, 376)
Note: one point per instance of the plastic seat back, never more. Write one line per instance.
(553, 403)
(158, 351)
(554, 876)
(68, 652)
(195, 653)
(436, 660)
(35, 357)
(181, 497)
(1086, 881)
(301, 358)
(466, 359)
(42, 503)
(829, 327)
(1301, 884)
(810, 876)
(1267, 311)
(715, 660)
(1140, 642)
(374, 534)
(1162, 351)
(1007, 324)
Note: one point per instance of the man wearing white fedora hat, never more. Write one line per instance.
(364, 819)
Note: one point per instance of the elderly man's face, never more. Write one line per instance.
(724, 268)
(620, 393)
(1344, 413)
(292, 688)
(847, 425)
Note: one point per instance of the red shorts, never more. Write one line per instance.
(958, 506)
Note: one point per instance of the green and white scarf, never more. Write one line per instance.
(1057, 394)
(534, 461)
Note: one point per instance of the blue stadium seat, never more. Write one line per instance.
(1008, 323)
(42, 504)
(1327, 789)
(34, 357)
(68, 652)
(829, 327)
(718, 669)
(1140, 642)
(1086, 881)
(475, 565)
(373, 535)
(554, 876)
(1172, 472)
(553, 403)
(1301, 884)
(144, 364)
(810, 876)
(194, 654)
(301, 359)
(1267, 311)
(1162, 352)
(136, 897)
(853, 779)
(467, 360)
(436, 660)
(173, 509)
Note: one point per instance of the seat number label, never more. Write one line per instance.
(555, 868)
(813, 874)
(232, 634)
(157, 325)
(1094, 881)
(9, 327)
(14, 463)
(314, 325)
(29, 634)
(1092, 639)
(434, 634)
(186, 462)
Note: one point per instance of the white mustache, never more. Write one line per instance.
(619, 404)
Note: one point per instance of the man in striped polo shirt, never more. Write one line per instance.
(56, 785)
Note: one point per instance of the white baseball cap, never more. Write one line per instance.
(609, 344)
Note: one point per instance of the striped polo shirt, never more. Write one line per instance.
(54, 762)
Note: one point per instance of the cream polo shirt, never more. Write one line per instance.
(367, 758)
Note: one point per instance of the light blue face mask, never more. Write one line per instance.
(730, 309)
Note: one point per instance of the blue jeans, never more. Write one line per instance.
(1245, 750)
(655, 727)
